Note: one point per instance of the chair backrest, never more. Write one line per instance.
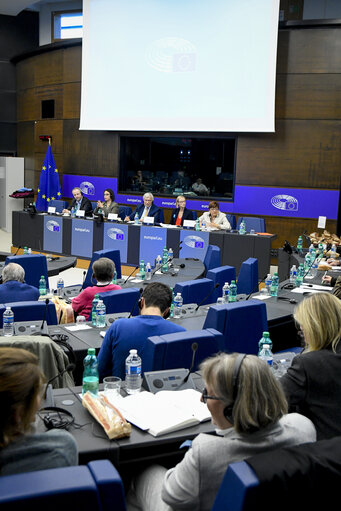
(161, 216)
(252, 222)
(242, 324)
(121, 300)
(94, 205)
(124, 211)
(193, 291)
(31, 311)
(232, 220)
(59, 205)
(114, 255)
(212, 257)
(35, 266)
(238, 489)
(194, 215)
(219, 276)
(171, 351)
(94, 487)
(248, 276)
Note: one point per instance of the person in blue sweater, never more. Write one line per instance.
(132, 333)
(13, 288)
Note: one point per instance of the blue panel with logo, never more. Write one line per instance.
(152, 242)
(92, 187)
(194, 244)
(53, 234)
(81, 237)
(115, 236)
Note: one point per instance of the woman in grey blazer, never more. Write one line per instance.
(109, 205)
(249, 410)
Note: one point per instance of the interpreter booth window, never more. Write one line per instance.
(168, 166)
(67, 25)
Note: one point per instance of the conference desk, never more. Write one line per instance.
(82, 236)
(55, 265)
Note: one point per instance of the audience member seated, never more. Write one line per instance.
(22, 450)
(335, 282)
(249, 410)
(13, 288)
(146, 209)
(131, 333)
(103, 271)
(181, 213)
(199, 188)
(213, 218)
(312, 384)
(138, 181)
(109, 205)
(79, 202)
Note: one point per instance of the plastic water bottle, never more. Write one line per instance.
(136, 219)
(90, 373)
(42, 286)
(158, 260)
(300, 275)
(233, 291)
(8, 322)
(25, 251)
(203, 225)
(267, 283)
(148, 271)
(307, 261)
(293, 274)
(242, 229)
(164, 268)
(60, 286)
(314, 269)
(266, 355)
(133, 372)
(264, 340)
(93, 310)
(197, 225)
(299, 245)
(170, 254)
(320, 250)
(29, 251)
(225, 295)
(274, 285)
(100, 314)
(114, 280)
(142, 270)
(178, 302)
(73, 212)
(333, 250)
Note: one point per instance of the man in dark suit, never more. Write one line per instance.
(146, 209)
(79, 202)
(13, 288)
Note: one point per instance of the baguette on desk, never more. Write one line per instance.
(114, 424)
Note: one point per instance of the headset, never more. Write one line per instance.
(59, 418)
(228, 410)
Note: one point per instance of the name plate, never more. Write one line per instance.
(51, 209)
(80, 213)
(189, 223)
(112, 216)
(148, 220)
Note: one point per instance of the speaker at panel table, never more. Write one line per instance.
(49, 185)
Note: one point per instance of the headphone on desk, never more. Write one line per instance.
(54, 417)
(228, 410)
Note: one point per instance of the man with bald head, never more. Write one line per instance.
(13, 288)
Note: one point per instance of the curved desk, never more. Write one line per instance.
(55, 265)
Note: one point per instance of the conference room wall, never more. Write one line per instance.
(304, 152)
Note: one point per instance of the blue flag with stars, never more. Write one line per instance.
(49, 184)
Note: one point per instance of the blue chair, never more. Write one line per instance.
(172, 351)
(232, 220)
(114, 255)
(95, 486)
(212, 257)
(238, 489)
(94, 205)
(219, 276)
(35, 266)
(194, 215)
(193, 291)
(59, 205)
(124, 211)
(241, 323)
(121, 300)
(248, 276)
(252, 222)
(31, 311)
(161, 217)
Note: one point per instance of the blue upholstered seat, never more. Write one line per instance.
(124, 211)
(252, 222)
(114, 255)
(237, 489)
(121, 300)
(193, 291)
(35, 266)
(232, 220)
(248, 276)
(212, 258)
(219, 276)
(31, 311)
(59, 205)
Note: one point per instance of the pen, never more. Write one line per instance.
(325, 273)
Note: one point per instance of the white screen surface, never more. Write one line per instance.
(179, 65)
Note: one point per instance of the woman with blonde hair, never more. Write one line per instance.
(22, 450)
(180, 213)
(249, 410)
(312, 384)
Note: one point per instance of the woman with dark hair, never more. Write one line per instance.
(249, 410)
(181, 213)
(109, 205)
(213, 218)
(22, 450)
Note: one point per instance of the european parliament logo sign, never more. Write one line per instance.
(116, 238)
(87, 188)
(53, 235)
(194, 245)
(115, 234)
(52, 226)
(285, 202)
(194, 242)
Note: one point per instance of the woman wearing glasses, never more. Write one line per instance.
(249, 411)
(108, 205)
(181, 213)
(214, 219)
(22, 450)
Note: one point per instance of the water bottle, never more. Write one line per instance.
(158, 260)
(197, 225)
(42, 286)
(242, 227)
(274, 285)
(60, 286)
(133, 372)
(170, 254)
(333, 250)
(93, 310)
(29, 251)
(90, 373)
(293, 274)
(203, 225)
(314, 269)
(148, 271)
(264, 340)
(25, 251)
(266, 355)
(225, 294)
(164, 268)
(299, 245)
(8, 322)
(307, 261)
(267, 283)
(114, 280)
(100, 314)
(300, 275)
(142, 270)
(136, 219)
(178, 302)
(320, 250)
(73, 212)
(233, 291)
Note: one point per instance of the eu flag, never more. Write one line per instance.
(49, 185)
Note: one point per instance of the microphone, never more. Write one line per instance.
(194, 349)
(84, 275)
(69, 367)
(126, 280)
(209, 294)
(19, 247)
(307, 238)
(287, 247)
(256, 287)
(39, 332)
(139, 295)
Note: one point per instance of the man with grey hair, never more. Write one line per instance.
(79, 202)
(146, 209)
(13, 288)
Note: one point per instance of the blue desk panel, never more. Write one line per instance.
(82, 237)
(115, 237)
(152, 242)
(194, 244)
(53, 234)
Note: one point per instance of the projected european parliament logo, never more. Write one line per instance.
(172, 55)
(52, 226)
(115, 234)
(194, 242)
(87, 188)
(285, 202)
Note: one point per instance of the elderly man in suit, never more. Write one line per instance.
(13, 288)
(79, 202)
(146, 209)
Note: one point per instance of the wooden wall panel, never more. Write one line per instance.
(72, 100)
(72, 64)
(48, 68)
(25, 74)
(48, 127)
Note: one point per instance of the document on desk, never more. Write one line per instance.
(311, 288)
(164, 412)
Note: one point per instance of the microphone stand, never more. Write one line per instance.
(194, 350)
(209, 294)
(139, 295)
(256, 287)
(126, 280)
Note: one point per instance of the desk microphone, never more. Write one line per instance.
(17, 250)
(126, 280)
(256, 287)
(68, 368)
(84, 275)
(209, 294)
(40, 331)
(138, 297)
(194, 350)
